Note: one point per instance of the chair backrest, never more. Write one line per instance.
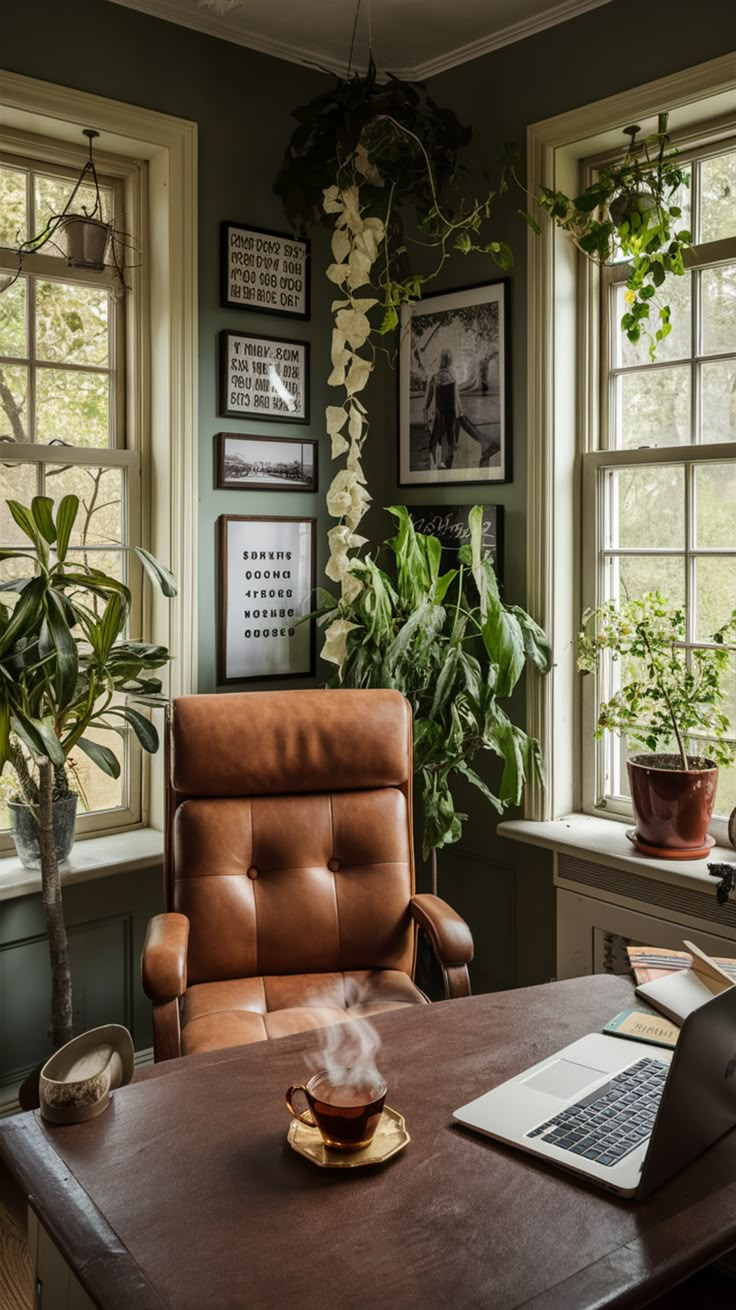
(289, 838)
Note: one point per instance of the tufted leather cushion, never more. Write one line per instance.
(246, 1010)
(261, 743)
(294, 884)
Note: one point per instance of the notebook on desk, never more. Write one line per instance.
(680, 993)
(626, 1117)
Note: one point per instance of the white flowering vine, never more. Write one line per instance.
(356, 242)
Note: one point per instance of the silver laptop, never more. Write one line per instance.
(625, 1114)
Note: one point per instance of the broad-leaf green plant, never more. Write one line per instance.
(663, 699)
(67, 667)
(449, 643)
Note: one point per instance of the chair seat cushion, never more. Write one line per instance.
(233, 1013)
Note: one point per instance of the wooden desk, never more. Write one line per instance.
(185, 1194)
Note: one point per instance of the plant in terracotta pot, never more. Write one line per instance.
(66, 669)
(664, 702)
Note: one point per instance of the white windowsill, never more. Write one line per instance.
(604, 841)
(97, 857)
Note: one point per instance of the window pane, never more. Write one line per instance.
(718, 197)
(715, 507)
(677, 293)
(99, 519)
(13, 396)
(72, 407)
(715, 593)
(634, 575)
(653, 408)
(647, 507)
(100, 791)
(71, 323)
(12, 570)
(17, 482)
(51, 195)
(718, 401)
(718, 309)
(726, 794)
(13, 320)
(12, 206)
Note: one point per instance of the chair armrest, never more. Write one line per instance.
(451, 939)
(164, 961)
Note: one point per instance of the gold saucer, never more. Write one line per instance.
(390, 1138)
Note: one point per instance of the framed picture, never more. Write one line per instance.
(263, 270)
(265, 463)
(454, 389)
(449, 523)
(264, 378)
(266, 581)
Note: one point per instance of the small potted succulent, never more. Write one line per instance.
(663, 702)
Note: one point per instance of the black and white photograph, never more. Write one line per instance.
(264, 378)
(453, 425)
(265, 463)
(266, 583)
(264, 271)
(449, 523)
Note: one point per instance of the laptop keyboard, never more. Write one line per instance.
(613, 1120)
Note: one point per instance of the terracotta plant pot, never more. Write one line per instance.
(673, 806)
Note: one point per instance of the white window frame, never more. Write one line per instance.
(163, 364)
(562, 401)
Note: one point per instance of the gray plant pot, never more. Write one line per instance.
(84, 241)
(24, 829)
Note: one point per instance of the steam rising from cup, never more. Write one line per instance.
(348, 1050)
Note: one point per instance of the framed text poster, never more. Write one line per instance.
(449, 523)
(264, 378)
(264, 271)
(266, 580)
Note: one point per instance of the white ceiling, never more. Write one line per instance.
(412, 38)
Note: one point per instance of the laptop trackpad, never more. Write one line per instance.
(563, 1078)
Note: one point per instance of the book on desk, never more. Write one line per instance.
(678, 994)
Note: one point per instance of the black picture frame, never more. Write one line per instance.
(285, 641)
(449, 523)
(232, 446)
(476, 449)
(256, 372)
(267, 299)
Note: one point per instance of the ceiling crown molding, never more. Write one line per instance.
(210, 23)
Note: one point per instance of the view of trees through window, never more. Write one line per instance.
(670, 525)
(61, 400)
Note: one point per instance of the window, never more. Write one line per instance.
(63, 422)
(659, 475)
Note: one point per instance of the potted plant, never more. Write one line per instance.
(65, 667)
(632, 210)
(448, 642)
(662, 701)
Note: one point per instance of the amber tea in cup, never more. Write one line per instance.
(346, 1110)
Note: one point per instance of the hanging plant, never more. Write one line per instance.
(369, 158)
(632, 211)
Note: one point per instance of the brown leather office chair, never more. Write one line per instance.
(289, 870)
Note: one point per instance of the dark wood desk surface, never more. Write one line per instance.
(185, 1194)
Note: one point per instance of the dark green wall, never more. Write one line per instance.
(242, 102)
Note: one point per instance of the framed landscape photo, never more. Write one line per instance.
(266, 271)
(264, 378)
(454, 389)
(247, 463)
(449, 523)
(266, 581)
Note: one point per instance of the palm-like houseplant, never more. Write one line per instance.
(455, 650)
(66, 667)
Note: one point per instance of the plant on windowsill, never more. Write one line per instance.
(65, 668)
(452, 647)
(629, 211)
(663, 702)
